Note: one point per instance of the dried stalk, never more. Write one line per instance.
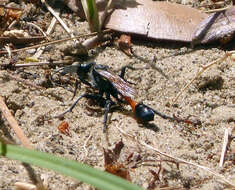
(175, 158)
(226, 142)
(14, 125)
(48, 32)
(220, 60)
(54, 42)
(56, 15)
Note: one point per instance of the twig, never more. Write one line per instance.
(220, 60)
(48, 32)
(14, 125)
(54, 42)
(171, 188)
(217, 10)
(25, 186)
(224, 148)
(58, 18)
(25, 82)
(85, 144)
(94, 41)
(104, 15)
(175, 158)
(6, 7)
(36, 64)
(227, 137)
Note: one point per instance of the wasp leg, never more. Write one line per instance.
(84, 81)
(123, 71)
(75, 89)
(91, 96)
(107, 107)
(76, 85)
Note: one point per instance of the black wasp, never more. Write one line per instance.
(109, 84)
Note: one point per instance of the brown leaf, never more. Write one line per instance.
(111, 163)
(219, 26)
(157, 20)
(118, 169)
(164, 21)
(150, 19)
(111, 156)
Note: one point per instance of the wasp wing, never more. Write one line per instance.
(120, 84)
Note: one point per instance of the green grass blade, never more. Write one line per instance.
(101, 180)
(91, 12)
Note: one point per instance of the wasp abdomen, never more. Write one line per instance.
(144, 113)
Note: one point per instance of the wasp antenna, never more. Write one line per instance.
(177, 119)
(162, 115)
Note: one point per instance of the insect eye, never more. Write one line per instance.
(144, 113)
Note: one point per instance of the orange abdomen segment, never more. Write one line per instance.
(131, 102)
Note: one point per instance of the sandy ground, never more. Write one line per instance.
(211, 99)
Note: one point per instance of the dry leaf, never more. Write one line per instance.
(111, 162)
(64, 128)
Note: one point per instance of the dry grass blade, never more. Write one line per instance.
(85, 145)
(220, 60)
(36, 64)
(219, 9)
(48, 32)
(56, 15)
(226, 143)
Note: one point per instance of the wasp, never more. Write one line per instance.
(109, 84)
